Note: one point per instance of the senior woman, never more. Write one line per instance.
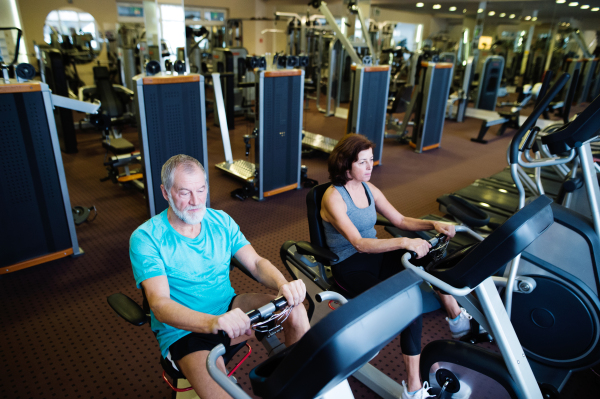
(348, 210)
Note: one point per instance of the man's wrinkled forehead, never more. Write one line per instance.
(186, 175)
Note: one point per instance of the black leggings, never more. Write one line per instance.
(361, 271)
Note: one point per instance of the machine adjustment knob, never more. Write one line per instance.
(25, 71)
(303, 60)
(291, 61)
(152, 68)
(281, 61)
(179, 66)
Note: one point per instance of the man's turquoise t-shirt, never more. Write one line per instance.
(197, 268)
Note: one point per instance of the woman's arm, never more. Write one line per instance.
(383, 206)
(333, 210)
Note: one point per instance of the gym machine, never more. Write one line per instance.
(428, 103)
(171, 115)
(571, 65)
(595, 84)
(487, 91)
(277, 133)
(564, 262)
(488, 118)
(366, 113)
(239, 87)
(332, 346)
(586, 79)
(480, 371)
(53, 64)
(551, 286)
(35, 208)
(489, 84)
(369, 94)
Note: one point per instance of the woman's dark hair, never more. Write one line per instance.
(344, 154)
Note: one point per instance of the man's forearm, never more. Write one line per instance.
(268, 275)
(176, 315)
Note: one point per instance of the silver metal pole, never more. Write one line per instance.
(507, 340)
(338, 33)
(365, 31)
(222, 117)
(591, 183)
(60, 169)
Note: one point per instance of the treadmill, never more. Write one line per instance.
(497, 195)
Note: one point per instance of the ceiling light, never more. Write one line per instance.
(503, 15)
(491, 13)
(534, 19)
(437, 6)
(452, 8)
(595, 8)
(465, 10)
(511, 16)
(527, 18)
(573, 4)
(480, 11)
(561, 1)
(420, 4)
(585, 7)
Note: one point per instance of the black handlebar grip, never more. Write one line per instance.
(437, 238)
(530, 140)
(570, 96)
(545, 86)
(280, 302)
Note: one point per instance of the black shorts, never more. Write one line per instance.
(195, 342)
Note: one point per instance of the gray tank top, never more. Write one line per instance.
(364, 219)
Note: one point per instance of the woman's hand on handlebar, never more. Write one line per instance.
(445, 228)
(233, 323)
(418, 246)
(293, 291)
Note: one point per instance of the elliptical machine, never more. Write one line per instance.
(556, 316)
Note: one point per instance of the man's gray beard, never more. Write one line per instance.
(184, 216)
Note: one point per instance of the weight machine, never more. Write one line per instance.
(277, 134)
(171, 120)
(35, 207)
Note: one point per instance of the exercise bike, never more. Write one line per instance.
(455, 366)
(556, 314)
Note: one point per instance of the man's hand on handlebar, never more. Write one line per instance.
(293, 291)
(445, 228)
(233, 323)
(418, 246)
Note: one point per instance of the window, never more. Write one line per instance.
(173, 26)
(73, 23)
(405, 32)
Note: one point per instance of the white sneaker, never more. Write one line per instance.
(420, 394)
(462, 326)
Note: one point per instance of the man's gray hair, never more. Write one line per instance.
(168, 170)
